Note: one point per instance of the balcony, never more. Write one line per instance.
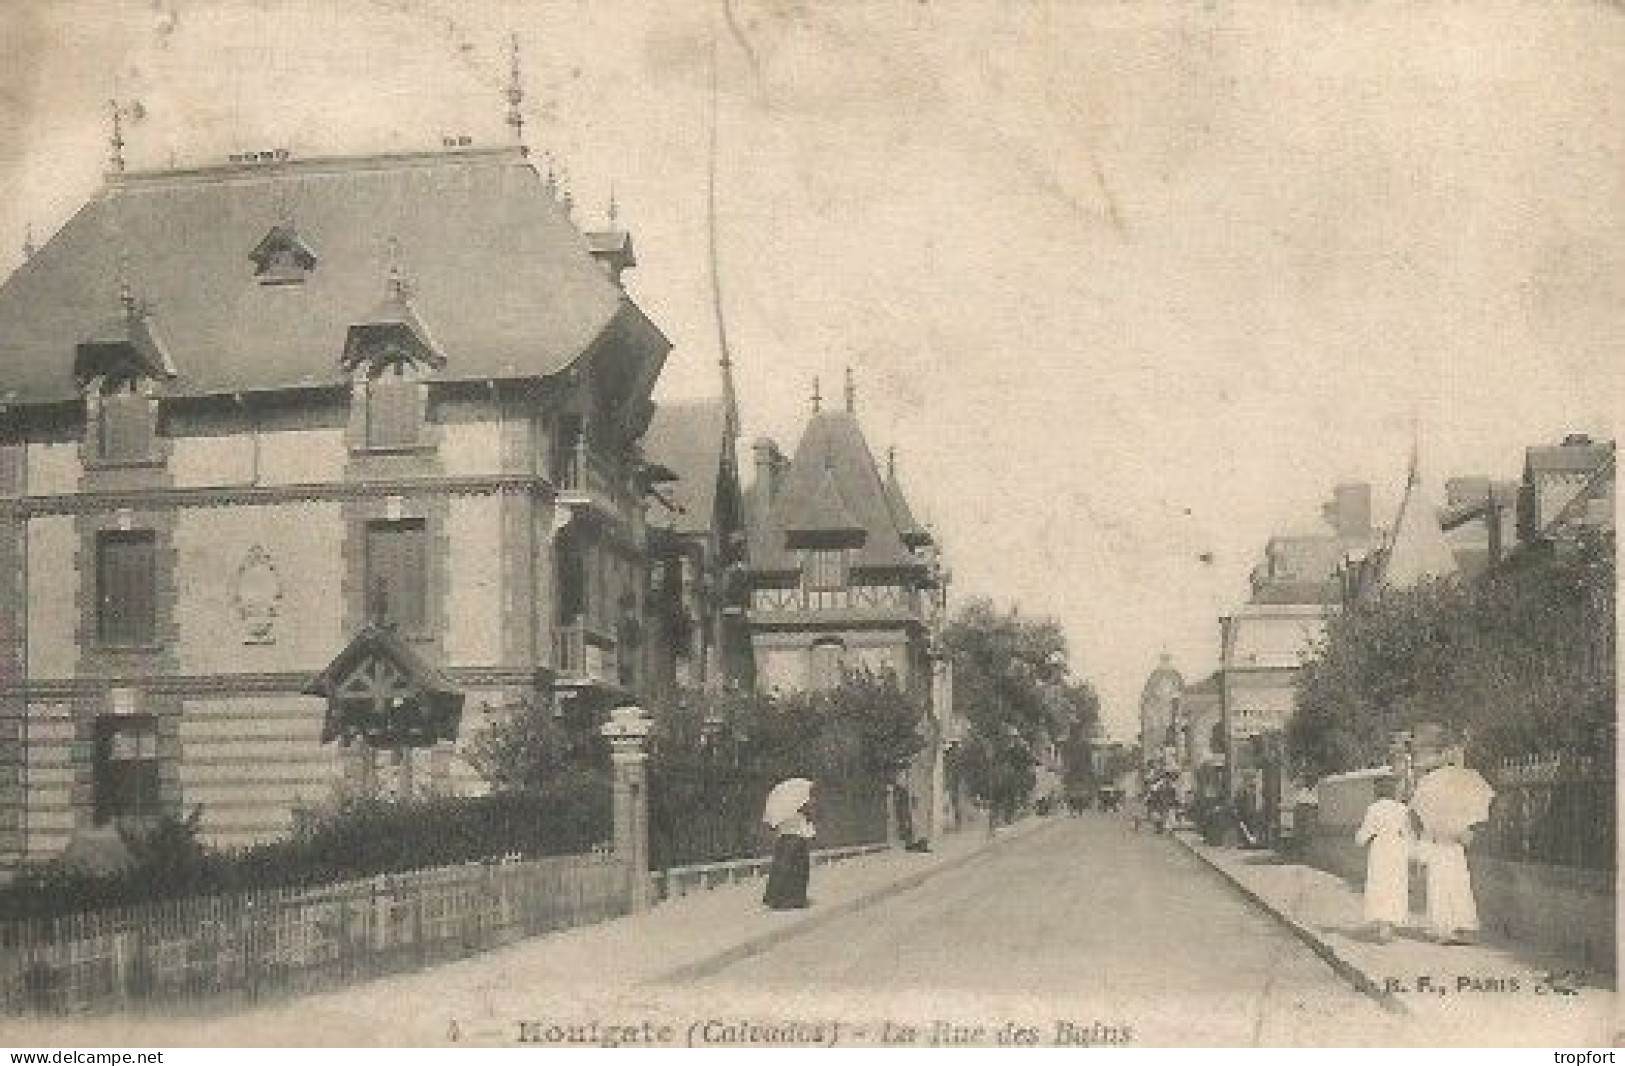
(585, 479)
(583, 656)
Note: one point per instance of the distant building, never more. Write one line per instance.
(841, 574)
(291, 451)
(1295, 590)
(1203, 708)
(1566, 487)
(842, 577)
(1480, 521)
(1162, 725)
(697, 540)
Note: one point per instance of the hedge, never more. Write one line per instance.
(360, 838)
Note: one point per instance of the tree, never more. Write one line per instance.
(1521, 660)
(1013, 687)
(533, 747)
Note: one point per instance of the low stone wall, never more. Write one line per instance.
(680, 881)
(1561, 909)
(1327, 826)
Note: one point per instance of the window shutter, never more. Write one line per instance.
(414, 563)
(126, 428)
(127, 587)
(827, 658)
(393, 412)
(397, 567)
(826, 569)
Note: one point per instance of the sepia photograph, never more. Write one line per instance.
(551, 524)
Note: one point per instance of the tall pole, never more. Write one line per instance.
(1226, 630)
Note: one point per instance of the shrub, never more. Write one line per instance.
(356, 839)
(1521, 660)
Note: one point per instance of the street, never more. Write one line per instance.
(1118, 929)
(1075, 930)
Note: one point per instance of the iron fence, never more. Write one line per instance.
(287, 941)
(1554, 809)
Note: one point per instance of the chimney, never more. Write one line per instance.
(1351, 510)
(769, 466)
(1470, 489)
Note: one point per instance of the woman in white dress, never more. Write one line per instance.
(1451, 801)
(1385, 832)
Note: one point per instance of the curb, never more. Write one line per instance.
(713, 964)
(1347, 970)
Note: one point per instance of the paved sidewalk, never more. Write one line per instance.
(1485, 994)
(633, 964)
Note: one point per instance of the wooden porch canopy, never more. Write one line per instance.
(378, 690)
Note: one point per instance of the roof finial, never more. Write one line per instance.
(818, 400)
(126, 295)
(614, 211)
(515, 95)
(397, 276)
(566, 197)
(891, 461)
(117, 139)
(851, 392)
(28, 241)
(550, 174)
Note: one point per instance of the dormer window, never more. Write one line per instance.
(118, 371)
(125, 422)
(387, 354)
(282, 257)
(395, 402)
(826, 569)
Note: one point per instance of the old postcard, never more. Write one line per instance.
(778, 523)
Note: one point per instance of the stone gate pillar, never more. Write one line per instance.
(627, 730)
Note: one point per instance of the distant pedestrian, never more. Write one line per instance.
(787, 813)
(1385, 832)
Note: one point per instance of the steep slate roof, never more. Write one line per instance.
(832, 483)
(912, 532)
(687, 439)
(1418, 549)
(497, 272)
(824, 511)
(1598, 489)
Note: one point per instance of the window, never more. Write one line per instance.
(397, 581)
(282, 258)
(574, 586)
(125, 428)
(126, 587)
(394, 410)
(827, 666)
(126, 767)
(826, 569)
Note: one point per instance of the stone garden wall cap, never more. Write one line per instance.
(626, 722)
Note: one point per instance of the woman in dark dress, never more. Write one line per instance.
(792, 866)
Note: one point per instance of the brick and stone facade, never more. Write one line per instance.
(261, 482)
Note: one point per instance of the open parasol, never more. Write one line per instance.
(1451, 800)
(786, 800)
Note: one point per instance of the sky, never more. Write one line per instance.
(1125, 284)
